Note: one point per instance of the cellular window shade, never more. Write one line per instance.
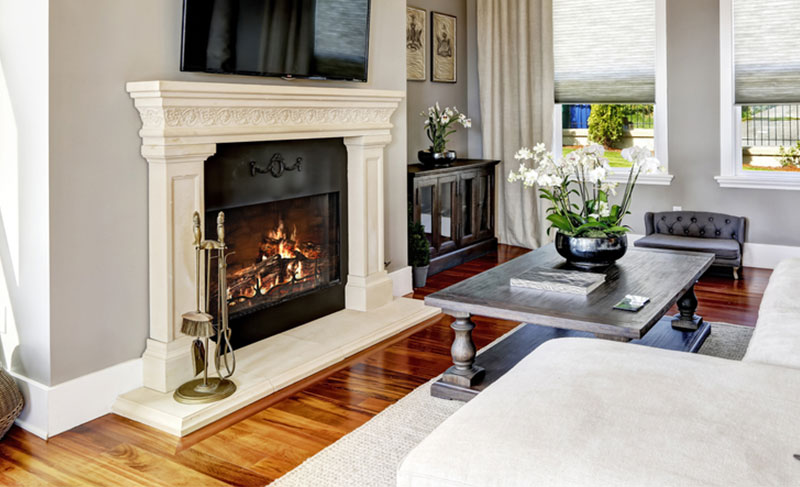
(766, 51)
(604, 51)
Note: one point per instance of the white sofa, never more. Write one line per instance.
(593, 412)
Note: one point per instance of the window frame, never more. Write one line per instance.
(660, 110)
(732, 174)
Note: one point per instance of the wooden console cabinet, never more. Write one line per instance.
(455, 204)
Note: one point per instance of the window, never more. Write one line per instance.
(760, 94)
(622, 80)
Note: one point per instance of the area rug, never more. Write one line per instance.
(370, 455)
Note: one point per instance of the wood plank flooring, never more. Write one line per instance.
(266, 440)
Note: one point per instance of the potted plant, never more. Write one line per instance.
(589, 229)
(438, 127)
(419, 252)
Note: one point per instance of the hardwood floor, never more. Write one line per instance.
(269, 438)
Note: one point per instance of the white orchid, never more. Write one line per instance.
(609, 188)
(636, 154)
(583, 174)
(650, 165)
(597, 174)
(523, 153)
(596, 150)
(604, 209)
(549, 180)
(438, 125)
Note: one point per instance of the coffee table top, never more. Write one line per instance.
(661, 275)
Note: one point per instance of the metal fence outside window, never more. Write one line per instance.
(640, 121)
(577, 117)
(770, 125)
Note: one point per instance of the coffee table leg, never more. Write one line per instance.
(686, 320)
(464, 372)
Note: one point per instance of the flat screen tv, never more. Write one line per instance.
(321, 39)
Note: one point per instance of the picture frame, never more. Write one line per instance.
(443, 48)
(416, 44)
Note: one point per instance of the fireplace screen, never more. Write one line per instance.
(280, 250)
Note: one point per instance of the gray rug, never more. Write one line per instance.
(370, 455)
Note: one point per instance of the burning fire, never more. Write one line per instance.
(282, 261)
(286, 242)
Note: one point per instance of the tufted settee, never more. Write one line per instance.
(717, 233)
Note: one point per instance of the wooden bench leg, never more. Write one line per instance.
(736, 273)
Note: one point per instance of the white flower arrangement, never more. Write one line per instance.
(438, 125)
(582, 174)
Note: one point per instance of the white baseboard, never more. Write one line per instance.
(764, 256)
(50, 410)
(34, 415)
(401, 281)
(767, 256)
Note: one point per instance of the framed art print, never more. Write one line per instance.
(416, 41)
(443, 48)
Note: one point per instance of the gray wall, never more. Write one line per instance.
(422, 94)
(98, 195)
(694, 131)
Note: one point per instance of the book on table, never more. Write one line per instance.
(559, 280)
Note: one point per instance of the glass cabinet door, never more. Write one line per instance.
(425, 202)
(484, 206)
(466, 201)
(446, 192)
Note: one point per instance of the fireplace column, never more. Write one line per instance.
(175, 192)
(368, 283)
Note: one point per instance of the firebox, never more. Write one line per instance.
(285, 218)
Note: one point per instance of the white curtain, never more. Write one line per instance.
(515, 70)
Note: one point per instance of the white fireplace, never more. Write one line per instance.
(182, 123)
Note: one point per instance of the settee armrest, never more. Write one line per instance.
(649, 226)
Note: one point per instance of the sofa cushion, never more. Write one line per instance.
(721, 248)
(781, 292)
(776, 339)
(594, 412)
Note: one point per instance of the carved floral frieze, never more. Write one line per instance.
(193, 117)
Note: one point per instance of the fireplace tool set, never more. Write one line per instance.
(200, 324)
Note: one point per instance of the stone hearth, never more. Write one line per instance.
(181, 124)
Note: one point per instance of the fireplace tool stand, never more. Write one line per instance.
(200, 324)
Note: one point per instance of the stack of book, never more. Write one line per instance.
(559, 280)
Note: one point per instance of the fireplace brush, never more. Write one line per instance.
(201, 324)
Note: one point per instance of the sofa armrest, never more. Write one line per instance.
(649, 225)
(740, 231)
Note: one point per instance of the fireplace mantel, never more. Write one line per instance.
(181, 124)
(179, 113)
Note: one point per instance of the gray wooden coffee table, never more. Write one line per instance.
(666, 277)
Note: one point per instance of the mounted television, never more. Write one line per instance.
(319, 39)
